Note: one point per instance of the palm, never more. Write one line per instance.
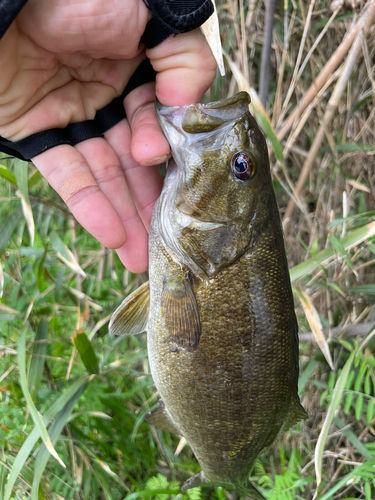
(65, 60)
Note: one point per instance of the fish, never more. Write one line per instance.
(218, 308)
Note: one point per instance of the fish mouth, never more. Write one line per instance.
(202, 118)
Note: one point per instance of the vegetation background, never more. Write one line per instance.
(65, 383)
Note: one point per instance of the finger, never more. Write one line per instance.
(144, 183)
(186, 68)
(106, 167)
(148, 144)
(67, 172)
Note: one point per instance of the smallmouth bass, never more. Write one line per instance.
(218, 308)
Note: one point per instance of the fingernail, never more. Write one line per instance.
(156, 161)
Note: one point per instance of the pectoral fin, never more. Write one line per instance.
(180, 310)
(131, 316)
(160, 419)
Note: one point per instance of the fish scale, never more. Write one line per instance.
(222, 333)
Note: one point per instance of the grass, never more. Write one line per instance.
(60, 372)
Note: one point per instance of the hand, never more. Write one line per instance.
(61, 62)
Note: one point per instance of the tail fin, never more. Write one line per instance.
(199, 480)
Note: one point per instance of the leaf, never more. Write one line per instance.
(344, 481)
(367, 491)
(335, 401)
(354, 238)
(313, 319)
(350, 436)
(194, 493)
(21, 173)
(305, 375)
(7, 226)
(23, 454)
(370, 411)
(367, 384)
(151, 493)
(358, 406)
(33, 411)
(351, 147)
(26, 474)
(34, 178)
(1, 280)
(5, 173)
(102, 480)
(86, 351)
(38, 359)
(55, 431)
(348, 402)
(336, 244)
(65, 254)
(365, 289)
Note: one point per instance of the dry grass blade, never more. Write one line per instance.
(359, 186)
(257, 108)
(211, 31)
(313, 319)
(266, 53)
(328, 69)
(7, 309)
(346, 331)
(299, 57)
(65, 255)
(332, 105)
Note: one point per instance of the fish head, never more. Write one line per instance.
(217, 184)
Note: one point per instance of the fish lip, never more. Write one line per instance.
(227, 101)
(225, 110)
(200, 222)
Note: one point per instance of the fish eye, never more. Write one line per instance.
(242, 165)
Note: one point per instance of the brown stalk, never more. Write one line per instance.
(344, 331)
(266, 53)
(331, 65)
(366, 23)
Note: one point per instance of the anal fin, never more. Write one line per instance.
(297, 413)
(160, 419)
